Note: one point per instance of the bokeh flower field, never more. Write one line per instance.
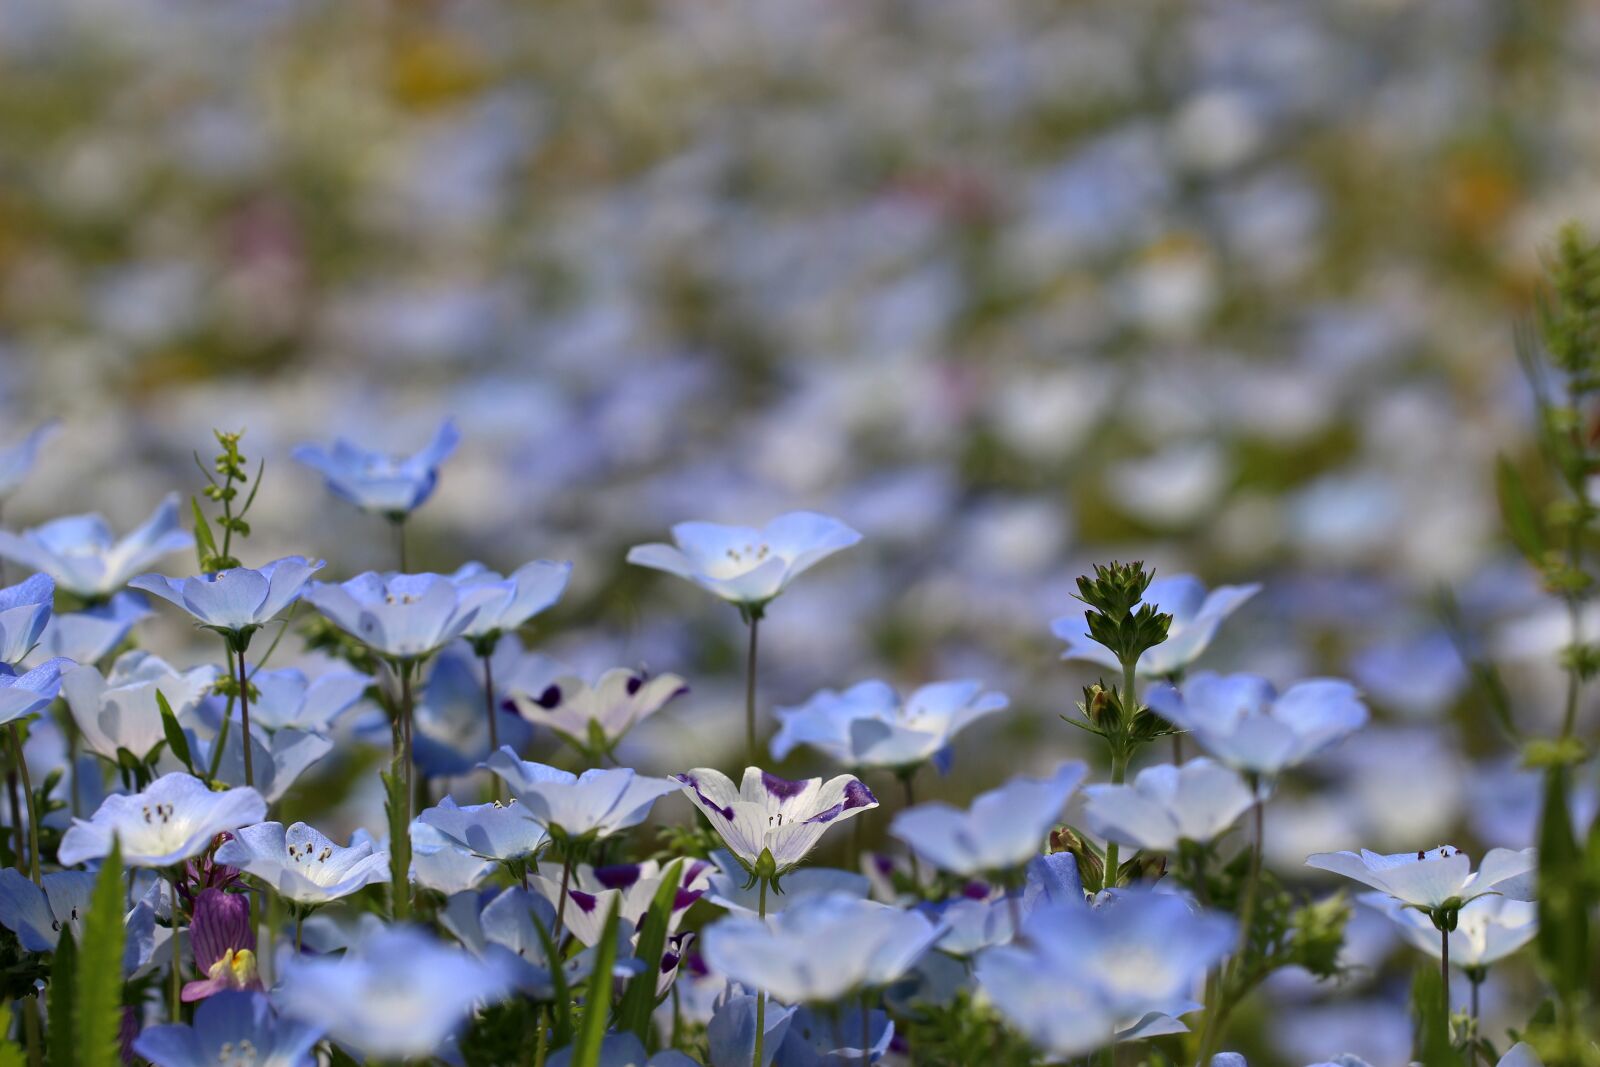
(772, 385)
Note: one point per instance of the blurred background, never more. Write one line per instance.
(1009, 285)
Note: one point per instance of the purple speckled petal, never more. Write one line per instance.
(584, 901)
(620, 876)
(782, 788)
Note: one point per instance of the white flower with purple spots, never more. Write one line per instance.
(592, 718)
(741, 564)
(766, 814)
(632, 886)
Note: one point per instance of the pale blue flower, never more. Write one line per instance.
(450, 735)
(592, 718)
(377, 482)
(1197, 802)
(85, 558)
(24, 611)
(729, 886)
(833, 1038)
(90, 635)
(818, 949)
(278, 758)
(768, 814)
(731, 1033)
(437, 863)
(38, 915)
(494, 831)
(1080, 978)
(869, 726)
(398, 993)
(1247, 724)
(1437, 877)
(24, 694)
(743, 565)
(301, 864)
(238, 601)
(506, 929)
(1488, 928)
(625, 1050)
(1196, 615)
(534, 587)
(404, 616)
(232, 1027)
(1001, 830)
(16, 461)
(120, 711)
(286, 699)
(597, 803)
(172, 819)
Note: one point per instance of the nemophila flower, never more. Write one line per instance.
(38, 915)
(172, 819)
(85, 558)
(728, 886)
(16, 461)
(1001, 831)
(24, 694)
(1244, 722)
(403, 616)
(303, 865)
(119, 711)
(230, 1028)
(731, 1032)
(869, 726)
(631, 887)
(1165, 804)
(238, 601)
(743, 565)
(829, 1038)
(494, 831)
(439, 864)
(1519, 1055)
(597, 803)
(626, 1050)
(451, 736)
(278, 758)
(592, 718)
(224, 943)
(533, 587)
(506, 929)
(1196, 615)
(90, 635)
(771, 816)
(818, 949)
(398, 993)
(1079, 977)
(287, 700)
(378, 482)
(1052, 879)
(24, 611)
(1439, 879)
(1488, 929)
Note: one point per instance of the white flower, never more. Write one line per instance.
(744, 565)
(237, 601)
(1488, 929)
(529, 589)
(120, 711)
(869, 726)
(768, 813)
(173, 819)
(1196, 614)
(1439, 878)
(494, 831)
(590, 717)
(599, 802)
(1165, 804)
(301, 864)
(1002, 829)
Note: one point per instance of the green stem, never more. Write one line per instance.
(400, 540)
(494, 726)
(1444, 968)
(761, 998)
(405, 734)
(1217, 1012)
(751, 754)
(1119, 771)
(175, 993)
(561, 900)
(299, 922)
(27, 796)
(244, 720)
(544, 1041)
(30, 1030)
(19, 824)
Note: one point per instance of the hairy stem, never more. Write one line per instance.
(761, 998)
(751, 755)
(244, 720)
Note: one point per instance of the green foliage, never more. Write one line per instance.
(1117, 619)
(63, 1011)
(226, 474)
(1564, 896)
(962, 1033)
(501, 1034)
(597, 1004)
(395, 807)
(11, 1054)
(640, 998)
(177, 742)
(98, 1014)
(1433, 1047)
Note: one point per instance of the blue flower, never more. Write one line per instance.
(1165, 805)
(833, 1039)
(1000, 832)
(286, 699)
(17, 461)
(90, 635)
(231, 1027)
(172, 819)
(1196, 615)
(278, 758)
(404, 616)
(377, 482)
(301, 864)
(451, 737)
(1245, 723)
(235, 602)
(533, 588)
(494, 831)
(38, 915)
(440, 864)
(84, 557)
(731, 1034)
(1081, 977)
(819, 948)
(743, 565)
(595, 804)
(24, 611)
(396, 994)
(24, 694)
(869, 726)
(766, 814)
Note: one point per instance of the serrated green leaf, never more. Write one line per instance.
(63, 1007)
(99, 980)
(640, 998)
(597, 1002)
(177, 743)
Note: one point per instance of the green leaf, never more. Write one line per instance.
(640, 998)
(1564, 892)
(99, 980)
(597, 1002)
(394, 784)
(205, 546)
(11, 1054)
(560, 998)
(1517, 512)
(177, 743)
(63, 982)
(1433, 1047)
